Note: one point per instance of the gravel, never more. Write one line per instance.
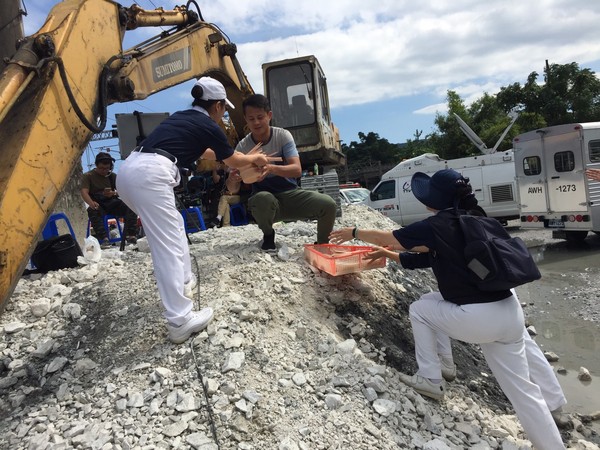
(294, 359)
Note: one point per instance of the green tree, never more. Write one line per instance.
(569, 94)
(484, 116)
(417, 146)
(371, 149)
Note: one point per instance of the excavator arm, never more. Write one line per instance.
(176, 56)
(55, 91)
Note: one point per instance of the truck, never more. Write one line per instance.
(55, 90)
(297, 91)
(554, 192)
(492, 176)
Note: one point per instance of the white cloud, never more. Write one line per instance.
(441, 108)
(372, 51)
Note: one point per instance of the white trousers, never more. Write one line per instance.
(499, 328)
(145, 183)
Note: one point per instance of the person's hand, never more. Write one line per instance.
(265, 170)
(340, 236)
(209, 155)
(94, 205)
(260, 160)
(593, 174)
(379, 252)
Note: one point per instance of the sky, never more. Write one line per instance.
(390, 63)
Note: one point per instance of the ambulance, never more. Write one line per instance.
(554, 192)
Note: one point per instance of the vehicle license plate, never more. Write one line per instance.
(555, 223)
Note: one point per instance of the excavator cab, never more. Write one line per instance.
(297, 91)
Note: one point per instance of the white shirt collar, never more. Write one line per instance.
(202, 110)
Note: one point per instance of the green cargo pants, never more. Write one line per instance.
(297, 204)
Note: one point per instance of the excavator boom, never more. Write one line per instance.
(55, 90)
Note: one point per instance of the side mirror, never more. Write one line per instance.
(373, 196)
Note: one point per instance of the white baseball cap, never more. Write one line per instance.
(213, 90)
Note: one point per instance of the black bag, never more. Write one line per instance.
(58, 252)
(497, 260)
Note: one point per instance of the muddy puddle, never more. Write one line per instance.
(564, 309)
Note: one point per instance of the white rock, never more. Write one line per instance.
(299, 379)
(142, 245)
(236, 341)
(242, 405)
(370, 394)
(201, 441)
(384, 407)
(436, 444)
(14, 327)
(72, 311)
(57, 364)
(584, 374)
(44, 348)
(288, 444)
(162, 373)
(135, 399)
(175, 429)
(58, 289)
(234, 361)
(188, 402)
(333, 401)
(252, 396)
(346, 347)
(85, 365)
(40, 307)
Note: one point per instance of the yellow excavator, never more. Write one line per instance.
(55, 90)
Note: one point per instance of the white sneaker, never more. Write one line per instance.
(188, 288)
(198, 321)
(423, 386)
(448, 371)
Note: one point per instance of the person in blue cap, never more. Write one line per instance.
(494, 320)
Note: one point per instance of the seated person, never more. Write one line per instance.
(98, 191)
(276, 195)
(230, 196)
(216, 184)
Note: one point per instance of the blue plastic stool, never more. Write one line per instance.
(191, 223)
(237, 215)
(106, 218)
(51, 230)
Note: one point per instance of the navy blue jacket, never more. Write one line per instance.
(454, 280)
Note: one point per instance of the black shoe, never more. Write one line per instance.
(214, 223)
(105, 243)
(268, 242)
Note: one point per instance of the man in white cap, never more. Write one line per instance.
(146, 181)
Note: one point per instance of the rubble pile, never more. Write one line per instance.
(294, 358)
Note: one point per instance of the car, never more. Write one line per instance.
(354, 195)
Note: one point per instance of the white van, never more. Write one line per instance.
(554, 191)
(492, 177)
